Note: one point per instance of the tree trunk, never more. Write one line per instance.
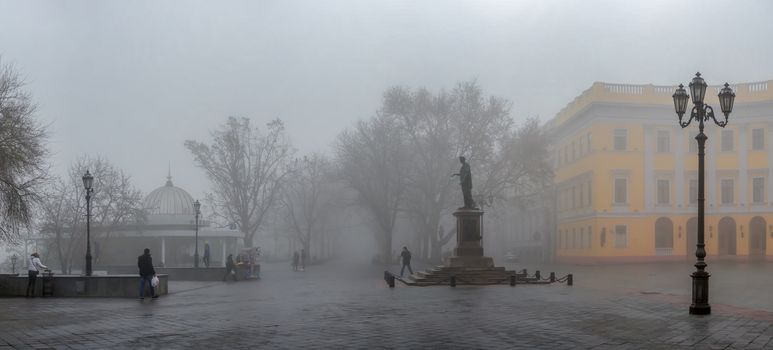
(248, 239)
(439, 242)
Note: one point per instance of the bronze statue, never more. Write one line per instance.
(465, 180)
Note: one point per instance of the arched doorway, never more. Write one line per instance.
(664, 236)
(726, 231)
(757, 241)
(692, 237)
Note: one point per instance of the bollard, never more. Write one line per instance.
(569, 279)
(512, 280)
(389, 279)
(552, 277)
(453, 281)
(537, 275)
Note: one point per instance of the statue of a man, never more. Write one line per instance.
(465, 179)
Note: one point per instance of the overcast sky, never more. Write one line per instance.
(131, 80)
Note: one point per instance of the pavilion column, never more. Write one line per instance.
(163, 251)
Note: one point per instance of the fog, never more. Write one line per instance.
(130, 83)
(123, 80)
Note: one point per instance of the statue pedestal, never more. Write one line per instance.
(468, 265)
(469, 241)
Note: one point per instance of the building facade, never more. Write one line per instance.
(626, 179)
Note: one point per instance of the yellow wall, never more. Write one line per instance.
(603, 164)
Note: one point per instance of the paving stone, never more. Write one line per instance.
(347, 306)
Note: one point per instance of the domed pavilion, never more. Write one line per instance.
(170, 233)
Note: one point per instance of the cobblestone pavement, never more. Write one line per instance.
(343, 306)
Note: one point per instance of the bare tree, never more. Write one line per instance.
(462, 122)
(22, 155)
(246, 169)
(115, 202)
(63, 222)
(308, 200)
(373, 160)
(520, 170)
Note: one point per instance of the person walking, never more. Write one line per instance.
(147, 272)
(206, 255)
(32, 273)
(303, 259)
(296, 260)
(230, 268)
(406, 256)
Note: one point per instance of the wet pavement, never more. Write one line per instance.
(348, 306)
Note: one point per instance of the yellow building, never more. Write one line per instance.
(626, 176)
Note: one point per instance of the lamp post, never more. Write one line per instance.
(88, 180)
(197, 211)
(13, 263)
(701, 112)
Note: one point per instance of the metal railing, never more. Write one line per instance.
(664, 251)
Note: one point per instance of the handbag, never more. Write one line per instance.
(154, 282)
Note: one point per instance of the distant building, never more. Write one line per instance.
(169, 232)
(518, 231)
(626, 176)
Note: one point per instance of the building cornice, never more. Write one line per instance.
(649, 95)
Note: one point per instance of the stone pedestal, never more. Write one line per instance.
(468, 265)
(469, 240)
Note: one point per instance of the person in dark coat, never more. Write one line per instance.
(206, 254)
(145, 264)
(230, 268)
(406, 257)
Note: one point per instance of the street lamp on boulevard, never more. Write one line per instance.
(701, 113)
(197, 211)
(88, 181)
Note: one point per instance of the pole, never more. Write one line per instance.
(700, 278)
(196, 254)
(88, 232)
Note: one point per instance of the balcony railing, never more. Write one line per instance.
(763, 86)
(624, 89)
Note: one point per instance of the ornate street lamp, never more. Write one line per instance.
(197, 211)
(702, 113)
(88, 181)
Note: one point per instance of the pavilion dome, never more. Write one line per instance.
(169, 200)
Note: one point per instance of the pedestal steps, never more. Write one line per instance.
(471, 276)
